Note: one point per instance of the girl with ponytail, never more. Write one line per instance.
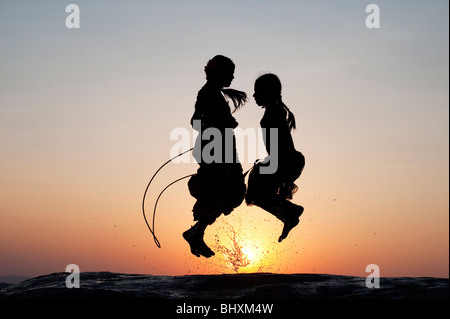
(273, 192)
(219, 185)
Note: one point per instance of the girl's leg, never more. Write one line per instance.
(290, 218)
(262, 191)
(194, 237)
(218, 189)
(285, 211)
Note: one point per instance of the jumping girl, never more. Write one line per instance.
(273, 192)
(219, 185)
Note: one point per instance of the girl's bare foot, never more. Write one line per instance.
(196, 243)
(288, 225)
(291, 221)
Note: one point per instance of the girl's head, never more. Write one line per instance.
(220, 70)
(268, 94)
(267, 90)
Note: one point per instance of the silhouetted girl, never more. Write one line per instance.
(219, 185)
(273, 192)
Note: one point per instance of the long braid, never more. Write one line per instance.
(290, 117)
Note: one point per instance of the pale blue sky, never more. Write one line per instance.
(154, 51)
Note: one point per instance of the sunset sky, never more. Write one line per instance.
(86, 116)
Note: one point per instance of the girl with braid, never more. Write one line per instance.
(273, 192)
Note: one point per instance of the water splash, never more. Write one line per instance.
(234, 256)
(244, 243)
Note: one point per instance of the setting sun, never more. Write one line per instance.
(249, 253)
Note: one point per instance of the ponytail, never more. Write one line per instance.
(237, 97)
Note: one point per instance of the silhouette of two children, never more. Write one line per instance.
(219, 186)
